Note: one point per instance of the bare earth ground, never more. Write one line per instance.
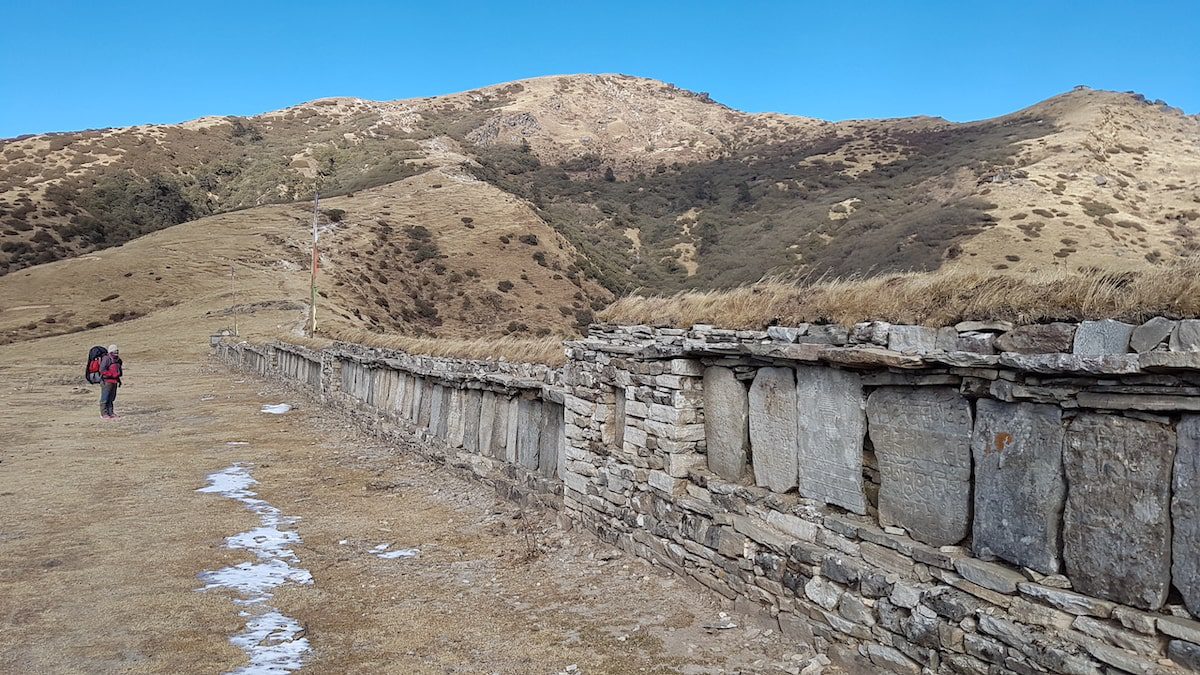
(102, 535)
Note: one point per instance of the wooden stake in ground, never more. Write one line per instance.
(312, 307)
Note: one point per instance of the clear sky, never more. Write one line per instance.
(76, 65)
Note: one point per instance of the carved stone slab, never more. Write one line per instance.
(472, 402)
(509, 453)
(551, 440)
(1116, 527)
(426, 405)
(1019, 483)
(773, 428)
(487, 422)
(1185, 512)
(831, 427)
(455, 427)
(529, 414)
(726, 424)
(922, 439)
(436, 410)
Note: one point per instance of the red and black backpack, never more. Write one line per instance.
(91, 372)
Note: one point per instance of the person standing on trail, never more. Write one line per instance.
(111, 370)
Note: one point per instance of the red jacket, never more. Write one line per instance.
(111, 369)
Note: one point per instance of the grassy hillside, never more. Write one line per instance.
(521, 209)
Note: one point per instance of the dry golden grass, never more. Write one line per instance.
(936, 299)
(545, 350)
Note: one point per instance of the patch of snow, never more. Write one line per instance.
(274, 643)
(276, 409)
(382, 551)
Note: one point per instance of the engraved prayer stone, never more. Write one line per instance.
(922, 439)
(1185, 512)
(1116, 527)
(773, 428)
(726, 424)
(831, 426)
(1019, 484)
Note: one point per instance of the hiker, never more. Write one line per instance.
(111, 370)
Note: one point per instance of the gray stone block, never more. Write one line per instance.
(455, 429)
(1186, 336)
(912, 339)
(488, 408)
(1019, 484)
(529, 429)
(922, 439)
(1116, 526)
(511, 419)
(1150, 334)
(1185, 654)
(551, 439)
(726, 424)
(1185, 513)
(830, 431)
(773, 429)
(1046, 338)
(472, 404)
(1097, 338)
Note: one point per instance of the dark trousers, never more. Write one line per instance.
(108, 394)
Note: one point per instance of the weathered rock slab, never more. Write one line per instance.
(773, 429)
(1186, 336)
(1019, 484)
(1185, 513)
(1046, 338)
(1150, 334)
(831, 428)
(1116, 526)
(726, 423)
(912, 339)
(551, 440)
(922, 439)
(1097, 338)
(529, 429)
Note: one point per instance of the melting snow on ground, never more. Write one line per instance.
(274, 643)
(383, 552)
(276, 409)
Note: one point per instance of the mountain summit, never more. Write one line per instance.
(586, 185)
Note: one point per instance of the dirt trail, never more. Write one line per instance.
(102, 535)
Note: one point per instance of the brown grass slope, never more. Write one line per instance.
(453, 280)
(659, 187)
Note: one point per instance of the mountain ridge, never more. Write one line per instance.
(635, 183)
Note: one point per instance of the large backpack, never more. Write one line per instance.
(91, 371)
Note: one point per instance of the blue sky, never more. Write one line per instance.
(75, 65)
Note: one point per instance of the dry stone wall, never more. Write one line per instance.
(983, 498)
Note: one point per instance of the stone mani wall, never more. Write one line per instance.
(501, 422)
(905, 497)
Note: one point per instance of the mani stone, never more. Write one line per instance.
(1116, 527)
(922, 439)
(551, 440)
(510, 452)
(912, 339)
(1150, 334)
(488, 408)
(426, 404)
(726, 423)
(830, 431)
(1019, 486)
(529, 428)
(472, 403)
(773, 428)
(1097, 338)
(455, 419)
(1185, 513)
(1186, 336)
(1046, 338)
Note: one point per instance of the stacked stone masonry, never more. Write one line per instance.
(976, 499)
